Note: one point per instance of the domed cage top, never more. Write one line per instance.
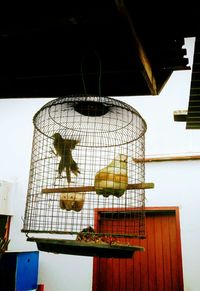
(87, 172)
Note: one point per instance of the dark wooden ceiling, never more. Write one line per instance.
(102, 47)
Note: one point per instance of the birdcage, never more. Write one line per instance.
(86, 191)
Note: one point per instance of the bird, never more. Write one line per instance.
(63, 148)
(113, 179)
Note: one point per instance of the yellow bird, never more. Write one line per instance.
(113, 179)
(64, 149)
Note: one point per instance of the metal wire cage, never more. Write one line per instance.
(87, 165)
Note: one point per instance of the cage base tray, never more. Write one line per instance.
(73, 247)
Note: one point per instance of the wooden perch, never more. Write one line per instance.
(92, 188)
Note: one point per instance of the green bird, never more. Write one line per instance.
(63, 148)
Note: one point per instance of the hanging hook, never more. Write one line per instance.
(99, 78)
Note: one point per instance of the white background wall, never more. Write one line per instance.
(176, 183)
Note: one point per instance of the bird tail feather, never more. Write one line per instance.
(61, 166)
(68, 174)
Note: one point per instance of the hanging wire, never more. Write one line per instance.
(100, 73)
(82, 75)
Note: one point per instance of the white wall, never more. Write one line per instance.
(176, 183)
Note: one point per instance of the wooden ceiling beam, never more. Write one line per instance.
(146, 68)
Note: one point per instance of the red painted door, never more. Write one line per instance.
(158, 268)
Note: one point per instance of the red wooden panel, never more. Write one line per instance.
(158, 268)
(166, 246)
(158, 253)
(177, 273)
(129, 274)
(144, 272)
(115, 274)
(151, 256)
